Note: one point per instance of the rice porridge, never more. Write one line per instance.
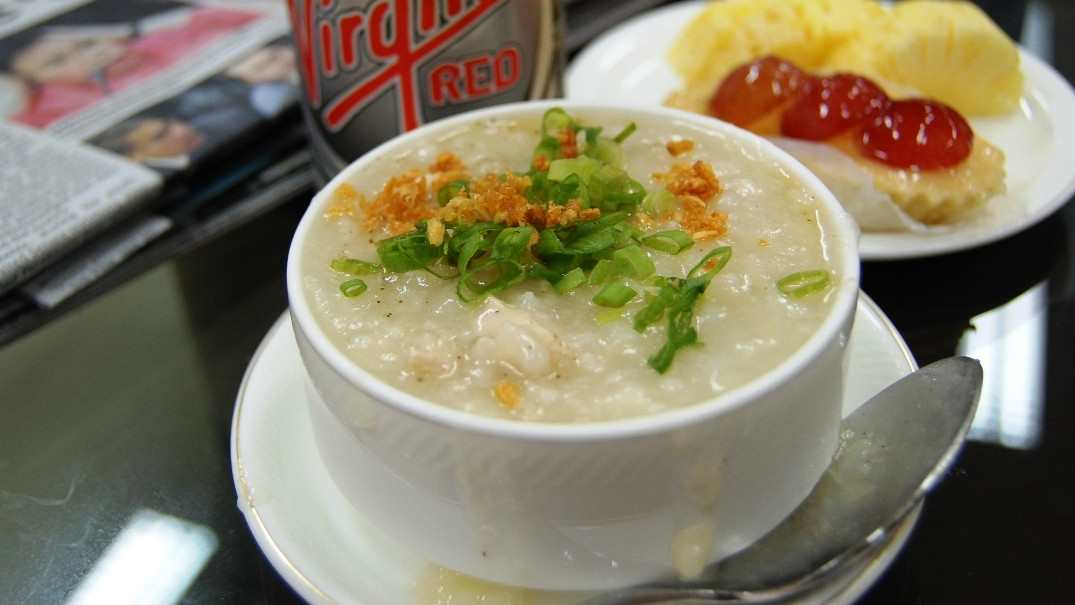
(510, 269)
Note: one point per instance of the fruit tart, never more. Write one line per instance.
(919, 153)
(881, 117)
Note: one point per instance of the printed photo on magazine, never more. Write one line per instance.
(182, 131)
(75, 60)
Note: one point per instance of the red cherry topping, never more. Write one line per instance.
(828, 106)
(755, 89)
(917, 133)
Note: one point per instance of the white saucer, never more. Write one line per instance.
(328, 554)
(626, 65)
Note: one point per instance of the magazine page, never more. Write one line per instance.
(16, 15)
(57, 194)
(76, 73)
(156, 84)
(178, 133)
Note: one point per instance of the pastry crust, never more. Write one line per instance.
(937, 197)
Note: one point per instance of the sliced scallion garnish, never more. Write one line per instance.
(548, 149)
(582, 166)
(605, 150)
(571, 280)
(591, 133)
(711, 263)
(555, 121)
(408, 252)
(604, 270)
(635, 262)
(450, 190)
(353, 287)
(608, 315)
(655, 307)
(614, 295)
(512, 242)
(549, 244)
(680, 307)
(626, 132)
(491, 277)
(659, 202)
(488, 257)
(672, 241)
(353, 266)
(804, 283)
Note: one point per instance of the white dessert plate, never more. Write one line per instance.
(321, 546)
(627, 66)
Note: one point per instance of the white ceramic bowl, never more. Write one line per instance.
(584, 506)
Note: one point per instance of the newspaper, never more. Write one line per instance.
(104, 103)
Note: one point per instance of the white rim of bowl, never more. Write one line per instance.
(843, 307)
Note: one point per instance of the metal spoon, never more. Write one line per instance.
(894, 449)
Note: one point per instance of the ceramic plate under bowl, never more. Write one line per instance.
(626, 66)
(321, 546)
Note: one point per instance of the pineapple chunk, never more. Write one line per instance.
(949, 51)
(729, 33)
(732, 32)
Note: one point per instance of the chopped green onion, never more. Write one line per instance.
(607, 151)
(548, 243)
(803, 283)
(353, 266)
(540, 271)
(605, 220)
(512, 243)
(595, 242)
(407, 252)
(614, 295)
(591, 133)
(484, 232)
(538, 191)
(490, 257)
(571, 280)
(679, 305)
(555, 121)
(471, 247)
(712, 263)
(562, 263)
(450, 190)
(681, 332)
(353, 287)
(490, 278)
(602, 271)
(549, 148)
(659, 202)
(583, 166)
(612, 189)
(626, 132)
(571, 188)
(654, 309)
(672, 241)
(593, 236)
(635, 261)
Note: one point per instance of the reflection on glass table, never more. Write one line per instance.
(1010, 343)
(154, 559)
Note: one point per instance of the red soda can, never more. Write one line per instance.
(375, 68)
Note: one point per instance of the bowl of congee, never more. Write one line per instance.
(574, 347)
